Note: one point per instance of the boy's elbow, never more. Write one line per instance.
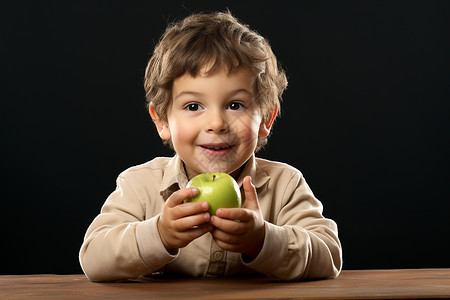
(117, 264)
(337, 258)
(90, 268)
(324, 258)
(336, 270)
(94, 266)
(95, 271)
(335, 253)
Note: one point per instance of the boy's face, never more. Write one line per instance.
(214, 121)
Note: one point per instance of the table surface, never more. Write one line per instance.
(351, 284)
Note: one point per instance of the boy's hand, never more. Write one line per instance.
(180, 223)
(245, 236)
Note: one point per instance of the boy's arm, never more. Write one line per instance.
(115, 241)
(302, 244)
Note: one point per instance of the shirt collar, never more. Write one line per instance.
(174, 176)
(259, 177)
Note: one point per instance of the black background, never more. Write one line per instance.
(365, 118)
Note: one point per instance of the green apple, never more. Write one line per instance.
(218, 189)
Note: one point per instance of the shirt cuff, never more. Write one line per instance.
(273, 252)
(151, 248)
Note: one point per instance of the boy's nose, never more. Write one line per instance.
(216, 123)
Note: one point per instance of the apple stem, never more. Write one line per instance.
(214, 177)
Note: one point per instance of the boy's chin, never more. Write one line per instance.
(204, 165)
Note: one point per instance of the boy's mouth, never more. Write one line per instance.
(217, 149)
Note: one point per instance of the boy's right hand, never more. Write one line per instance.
(181, 223)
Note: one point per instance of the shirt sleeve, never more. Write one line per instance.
(301, 243)
(120, 244)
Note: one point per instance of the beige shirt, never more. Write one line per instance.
(123, 240)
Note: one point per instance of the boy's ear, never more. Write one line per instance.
(264, 128)
(161, 126)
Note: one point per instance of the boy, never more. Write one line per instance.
(213, 87)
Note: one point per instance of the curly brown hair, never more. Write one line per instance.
(218, 40)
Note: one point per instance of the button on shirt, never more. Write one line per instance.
(218, 255)
(123, 241)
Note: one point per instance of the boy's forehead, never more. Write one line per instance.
(213, 67)
(210, 69)
(240, 78)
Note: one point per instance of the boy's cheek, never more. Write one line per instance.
(184, 135)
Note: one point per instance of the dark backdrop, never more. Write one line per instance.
(365, 118)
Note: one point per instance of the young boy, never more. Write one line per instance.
(213, 87)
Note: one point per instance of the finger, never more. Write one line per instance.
(198, 231)
(185, 237)
(190, 222)
(251, 198)
(228, 246)
(190, 208)
(225, 237)
(228, 226)
(179, 196)
(240, 214)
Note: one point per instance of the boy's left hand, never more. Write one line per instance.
(245, 236)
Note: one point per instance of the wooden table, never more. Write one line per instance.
(351, 284)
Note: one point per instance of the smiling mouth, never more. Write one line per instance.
(217, 147)
(216, 150)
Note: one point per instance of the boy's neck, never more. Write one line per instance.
(235, 174)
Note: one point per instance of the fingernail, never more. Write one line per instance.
(205, 205)
(194, 190)
(207, 217)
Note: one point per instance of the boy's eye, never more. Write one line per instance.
(236, 106)
(192, 107)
